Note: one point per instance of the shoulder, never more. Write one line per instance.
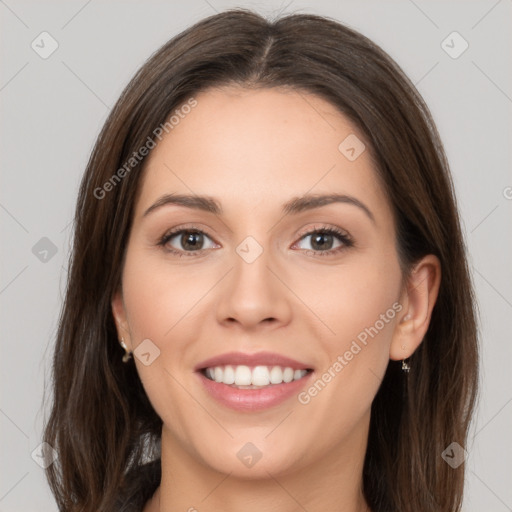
(140, 484)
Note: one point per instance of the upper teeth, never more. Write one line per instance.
(258, 376)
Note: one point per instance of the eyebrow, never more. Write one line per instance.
(293, 206)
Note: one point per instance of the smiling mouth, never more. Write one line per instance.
(257, 377)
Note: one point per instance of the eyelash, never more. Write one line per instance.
(343, 237)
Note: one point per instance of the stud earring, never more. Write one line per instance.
(127, 354)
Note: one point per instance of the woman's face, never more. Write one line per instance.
(256, 277)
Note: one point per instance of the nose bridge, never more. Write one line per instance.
(252, 292)
(251, 275)
(250, 249)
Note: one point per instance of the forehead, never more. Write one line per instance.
(260, 147)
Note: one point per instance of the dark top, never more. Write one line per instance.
(141, 484)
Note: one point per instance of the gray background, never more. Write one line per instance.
(52, 110)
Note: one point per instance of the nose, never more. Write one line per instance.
(255, 293)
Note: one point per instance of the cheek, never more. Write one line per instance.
(157, 296)
(358, 306)
(158, 301)
(352, 298)
(361, 310)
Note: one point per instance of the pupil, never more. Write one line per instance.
(317, 241)
(189, 240)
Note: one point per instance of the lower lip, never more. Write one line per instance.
(253, 399)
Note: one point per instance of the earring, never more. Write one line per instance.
(405, 366)
(127, 354)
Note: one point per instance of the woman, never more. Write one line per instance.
(269, 305)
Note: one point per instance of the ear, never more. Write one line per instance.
(418, 298)
(120, 318)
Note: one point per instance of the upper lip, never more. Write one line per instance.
(256, 359)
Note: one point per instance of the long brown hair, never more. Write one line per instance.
(102, 424)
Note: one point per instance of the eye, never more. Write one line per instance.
(323, 240)
(189, 241)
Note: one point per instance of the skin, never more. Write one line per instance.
(253, 150)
